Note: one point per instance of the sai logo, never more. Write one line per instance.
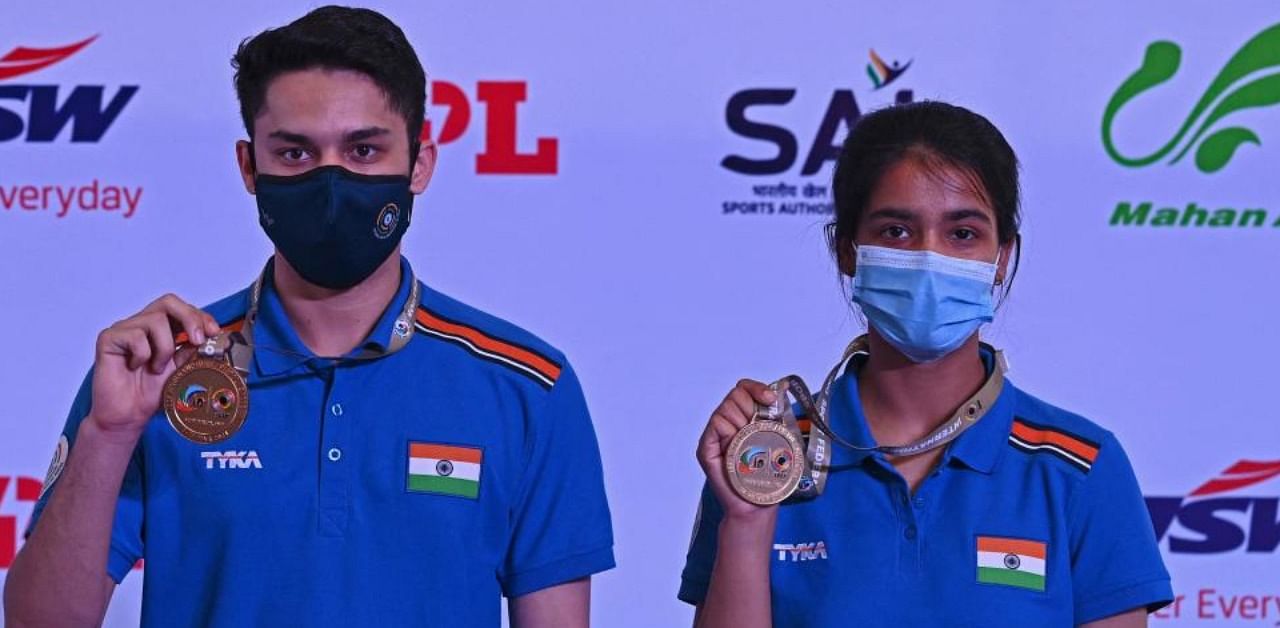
(1249, 79)
(1219, 523)
(841, 112)
(33, 112)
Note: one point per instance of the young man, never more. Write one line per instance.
(406, 459)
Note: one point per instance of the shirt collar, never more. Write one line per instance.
(272, 329)
(978, 448)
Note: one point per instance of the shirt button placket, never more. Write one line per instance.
(335, 467)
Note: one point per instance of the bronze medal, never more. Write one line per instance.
(764, 462)
(206, 400)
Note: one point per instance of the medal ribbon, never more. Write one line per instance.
(241, 344)
(821, 434)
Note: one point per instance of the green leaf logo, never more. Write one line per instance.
(1257, 57)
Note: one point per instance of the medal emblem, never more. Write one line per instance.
(206, 400)
(764, 462)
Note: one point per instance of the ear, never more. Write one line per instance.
(244, 157)
(846, 258)
(423, 167)
(1007, 251)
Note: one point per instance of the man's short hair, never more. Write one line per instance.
(336, 38)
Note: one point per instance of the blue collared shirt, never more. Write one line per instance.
(1032, 517)
(310, 514)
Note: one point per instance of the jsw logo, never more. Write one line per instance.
(501, 100)
(1221, 524)
(798, 552)
(231, 459)
(33, 112)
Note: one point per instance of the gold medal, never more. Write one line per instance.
(206, 400)
(764, 461)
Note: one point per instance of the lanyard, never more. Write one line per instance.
(821, 435)
(240, 345)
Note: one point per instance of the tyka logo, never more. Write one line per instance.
(1229, 92)
(32, 113)
(501, 154)
(231, 459)
(1217, 523)
(801, 552)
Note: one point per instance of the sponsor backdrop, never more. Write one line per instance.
(644, 185)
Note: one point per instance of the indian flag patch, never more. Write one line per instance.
(1012, 562)
(444, 469)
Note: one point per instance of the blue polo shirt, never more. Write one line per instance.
(308, 516)
(1033, 517)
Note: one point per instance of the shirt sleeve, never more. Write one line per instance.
(701, 557)
(126, 533)
(1115, 559)
(562, 530)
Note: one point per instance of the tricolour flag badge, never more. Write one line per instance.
(444, 469)
(1012, 562)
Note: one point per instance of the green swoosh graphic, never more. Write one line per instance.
(1258, 93)
(1161, 63)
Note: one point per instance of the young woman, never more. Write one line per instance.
(956, 498)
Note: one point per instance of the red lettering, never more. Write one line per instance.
(446, 94)
(8, 530)
(1173, 610)
(1248, 607)
(500, 156)
(1228, 605)
(1204, 609)
(28, 196)
(28, 490)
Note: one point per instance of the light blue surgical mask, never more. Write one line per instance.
(923, 303)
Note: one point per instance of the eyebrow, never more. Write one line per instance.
(955, 215)
(357, 135)
(292, 138)
(892, 213)
(365, 133)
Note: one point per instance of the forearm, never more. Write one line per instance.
(738, 595)
(566, 605)
(60, 576)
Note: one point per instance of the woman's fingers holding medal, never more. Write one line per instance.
(728, 418)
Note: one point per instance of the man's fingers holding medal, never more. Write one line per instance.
(184, 317)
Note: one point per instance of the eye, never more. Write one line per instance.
(895, 232)
(292, 155)
(364, 152)
(966, 234)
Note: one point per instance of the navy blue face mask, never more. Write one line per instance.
(334, 226)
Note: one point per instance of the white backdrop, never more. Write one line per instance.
(626, 259)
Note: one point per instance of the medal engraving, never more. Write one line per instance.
(764, 462)
(206, 400)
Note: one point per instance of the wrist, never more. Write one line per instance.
(91, 431)
(756, 523)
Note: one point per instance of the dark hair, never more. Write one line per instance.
(339, 38)
(941, 135)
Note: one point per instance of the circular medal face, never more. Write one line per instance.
(765, 462)
(206, 400)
